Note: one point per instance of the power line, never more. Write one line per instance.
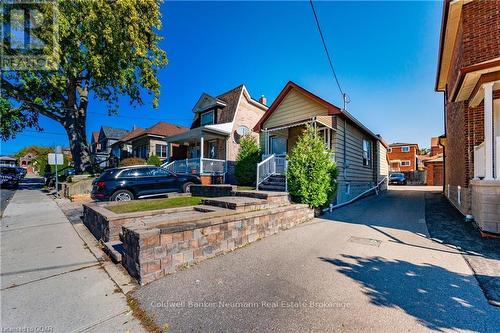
(326, 49)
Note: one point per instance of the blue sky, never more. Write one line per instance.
(385, 54)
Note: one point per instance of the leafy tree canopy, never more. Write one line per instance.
(104, 49)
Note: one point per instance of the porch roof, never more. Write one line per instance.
(323, 120)
(216, 130)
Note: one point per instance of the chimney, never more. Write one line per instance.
(263, 100)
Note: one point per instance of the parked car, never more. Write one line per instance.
(136, 182)
(397, 178)
(9, 177)
(69, 172)
(21, 172)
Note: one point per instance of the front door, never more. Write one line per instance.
(278, 146)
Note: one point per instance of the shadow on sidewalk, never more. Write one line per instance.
(447, 225)
(439, 299)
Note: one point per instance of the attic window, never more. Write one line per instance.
(405, 149)
(207, 118)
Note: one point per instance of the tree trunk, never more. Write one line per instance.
(74, 124)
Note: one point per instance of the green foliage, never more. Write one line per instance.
(40, 159)
(132, 161)
(104, 49)
(154, 160)
(249, 156)
(311, 172)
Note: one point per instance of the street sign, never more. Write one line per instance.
(56, 159)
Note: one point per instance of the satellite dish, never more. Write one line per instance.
(242, 130)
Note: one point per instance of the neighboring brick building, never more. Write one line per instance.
(469, 76)
(403, 157)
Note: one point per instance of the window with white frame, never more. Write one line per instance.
(207, 118)
(389, 150)
(161, 150)
(405, 149)
(405, 163)
(367, 152)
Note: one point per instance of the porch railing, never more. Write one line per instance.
(271, 165)
(479, 161)
(197, 166)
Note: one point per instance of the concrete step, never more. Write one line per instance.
(114, 249)
(264, 187)
(274, 183)
(235, 202)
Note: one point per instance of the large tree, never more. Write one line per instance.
(105, 49)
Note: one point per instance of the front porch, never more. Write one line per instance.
(485, 187)
(277, 142)
(205, 153)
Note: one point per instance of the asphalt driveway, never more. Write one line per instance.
(367, 266)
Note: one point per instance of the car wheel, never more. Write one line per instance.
(122, 195)
(186, 188)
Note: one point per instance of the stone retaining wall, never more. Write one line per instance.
(211, 191)
(150, 253)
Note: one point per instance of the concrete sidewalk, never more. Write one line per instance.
(49, 279)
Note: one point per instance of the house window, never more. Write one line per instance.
(161, 151)
(367, 152)
(207, 118)
(212, 149)
(405, 163)
(278, 145)
(405, 149)
(389, 150)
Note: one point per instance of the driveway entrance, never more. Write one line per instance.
(367, 266)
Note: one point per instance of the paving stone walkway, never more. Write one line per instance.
(448, 226)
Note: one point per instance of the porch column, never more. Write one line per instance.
(266, 143)
(488, 129)
(201, 153)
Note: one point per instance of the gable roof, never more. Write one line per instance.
(113, 133)
(228, 103)
(159, 129)
(332, 109)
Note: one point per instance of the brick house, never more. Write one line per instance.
(433, 164)
(212, 143)
(403, 157)
(143, 143)
(468, 74)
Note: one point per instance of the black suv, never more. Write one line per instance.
(9, 177)
(136, 182)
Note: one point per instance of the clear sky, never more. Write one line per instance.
(385, 54)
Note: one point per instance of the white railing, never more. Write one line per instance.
(479, 161)
(205, 166)
(213, 167)
(271, 165)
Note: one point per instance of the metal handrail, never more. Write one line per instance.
(332, 207)
(267, 163)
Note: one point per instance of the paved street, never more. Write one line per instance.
(5, 196)
(49, 279)
(369, 266)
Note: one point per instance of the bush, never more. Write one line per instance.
(246, 162)
(311, 172)
(154, 160)
(132, 161)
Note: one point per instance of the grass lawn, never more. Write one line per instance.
(245, 188)
(143, 205)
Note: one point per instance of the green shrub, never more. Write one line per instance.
(311, 172)
(154, 160)
(246, 162)
(132, 161)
